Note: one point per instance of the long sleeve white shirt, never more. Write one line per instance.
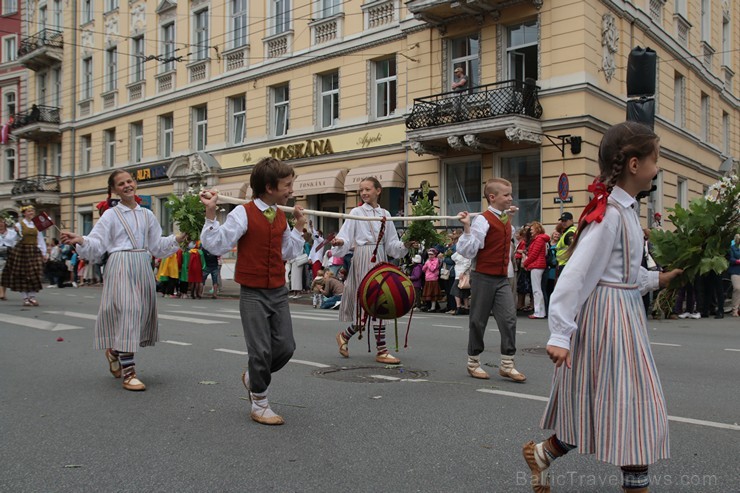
(598, 257)
(221, 238)
(359, 233)
(40, 240)
(9, 239)
(470, 243)
(109, 235)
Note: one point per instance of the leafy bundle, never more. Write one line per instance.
(703, 232)
(423, 232)
(188, 212)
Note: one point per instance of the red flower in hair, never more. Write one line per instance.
(595, 209)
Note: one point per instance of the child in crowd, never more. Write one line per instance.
(431, 291)
(417, 279)
(317, 285)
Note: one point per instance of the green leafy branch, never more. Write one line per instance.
(423, 232)
(188, 212)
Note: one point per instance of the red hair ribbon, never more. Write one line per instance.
(106, 204)
(595, 209)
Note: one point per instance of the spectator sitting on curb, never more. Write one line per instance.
(333, 289)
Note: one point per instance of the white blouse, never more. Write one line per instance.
(109, 235)
(9, 238)
(598, 257)
(40, 240)
(469, 243)
(219, 239)
(359, 233)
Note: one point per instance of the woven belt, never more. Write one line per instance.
(618, 285)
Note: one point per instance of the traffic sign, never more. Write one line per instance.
(563, 187)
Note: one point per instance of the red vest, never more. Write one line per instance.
(259, 254)
(493, 258)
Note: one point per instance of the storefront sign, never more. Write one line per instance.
(310, 148)
(150, 173)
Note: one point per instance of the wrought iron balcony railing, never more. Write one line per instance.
(511, 97)
(37, 114)
(35, 184)
(46, 37)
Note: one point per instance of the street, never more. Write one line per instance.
(351, 424)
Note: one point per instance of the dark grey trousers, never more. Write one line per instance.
(268, 331)
(491, 294)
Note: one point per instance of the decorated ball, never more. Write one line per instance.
(386, 293)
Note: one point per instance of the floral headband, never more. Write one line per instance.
(27, 207)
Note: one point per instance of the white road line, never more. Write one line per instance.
(520, 332)
(177, 343)
(86, 316)
(397, 379)
(243, 353)
(191, 320)
(90, 297)
(729, 349)
(309, 317)
(679, 419)
(38, 324)
(211, 314)
(309, 363)
(664, 344)
(448, 326)
(72, 296)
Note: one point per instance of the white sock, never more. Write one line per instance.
(433, 306)
(261, 406)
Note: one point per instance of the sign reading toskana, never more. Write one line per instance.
(310, 148)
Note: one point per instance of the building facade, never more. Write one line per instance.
(195, 92)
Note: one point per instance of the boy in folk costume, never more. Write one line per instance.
(264, 241)
(488, 240)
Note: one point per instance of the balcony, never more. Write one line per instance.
(37, 124)
(39, 189)
(439, 12)
(476, 118)
(41, 50)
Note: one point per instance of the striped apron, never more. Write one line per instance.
(127, 318)
(610, 403)
(361, 265)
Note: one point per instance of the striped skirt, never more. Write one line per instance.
(361, 265)
(610, 403)
(127, 317)
(24, 269)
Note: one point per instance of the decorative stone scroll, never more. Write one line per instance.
(610, 45)
(520, 135)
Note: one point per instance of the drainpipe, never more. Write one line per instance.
(73, 98)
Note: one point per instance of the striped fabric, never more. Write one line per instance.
(128, 311)
(361, 265)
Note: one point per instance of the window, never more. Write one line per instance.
(86, 219)
(384, 94)
(111, 5)
(462, 187)
(57, 154)
(10, 49)
(139, 58)
(10, 7)
(280, 110)
(165, 216)
(85, 152)
(110, 147)
(726, 132)
(167, 126)
(238, 23)
(682, 192)
(87, 11)
(524, 173)
(200, 127)
(328, 8)
(726, 37)
(41, 87)
(678, 99)
(43, 17)
(680, 7)
(9, 107)
(9, 174)
(168, 47)
(238, 109)
(57, 15)
(281, 17)
(329, 106)
(56, 97)
(111, 69)
(200, 35)
(706, 21)
(87, 78)
(43, 159)
(465, 54)
(522, 51)
(137, 142)
(705, 117)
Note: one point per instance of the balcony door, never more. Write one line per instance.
(522, 50)
(465, 54)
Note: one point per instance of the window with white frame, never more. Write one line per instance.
(87, 78)
(86, 221)
(57, 158)
(465, 54)
(462, 186)
(111, 69)
(200, 34)
(384, 88)
(109, 151)
(679, 104)
(726, 133)
(56, 89)
(238, 119)
(168, 47)
(85, 152)
(706, 21)
(9, 105)
(281, 16)
(137, 142)
(10, 48)
(280, 110)
(139, 49)
(42, 155)
(328, 8)
(524, 171)
(57, 15)
(329, 105)
(10, 7)
(87, 11)
(167, 137)
(726, 41)
(682, 192)
(42, 89)
(705, 117)
(238, 23)
(522, 50)
(43, 17)
(111, 5)
(200, 127)
(9, 174)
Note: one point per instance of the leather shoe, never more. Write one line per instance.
(131, 382)
(512, 373)
(540, 479)
(113, 364)
(387, 358)
(478, 372)
(342, 343)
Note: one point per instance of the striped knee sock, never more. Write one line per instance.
(127, 362)
(380, 339)
(349, 332)
(635, 477)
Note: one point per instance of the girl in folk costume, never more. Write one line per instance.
(606, 396)
(24, 268)
(127, 317)
(8, 239)
(364, 236)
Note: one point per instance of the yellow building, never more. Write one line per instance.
(185, 92)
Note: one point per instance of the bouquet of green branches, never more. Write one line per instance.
(188, 212)
(703, 232)
(423, 232)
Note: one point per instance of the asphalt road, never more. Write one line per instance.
(351, 424)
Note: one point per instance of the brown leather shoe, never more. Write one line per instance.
(342, 343)
(539, 480)
(131, 382)
(113, 364)
(478, 372)
(387, 359)
(264, 415)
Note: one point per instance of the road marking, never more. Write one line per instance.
(679, 419)
(177, 343)
(309, 363)
(313, 317)
(232, 351)
(664, 344)
(190, 320)
(71, 296)
(38, 324)
(520, 332)
(85, 316)
(90, 297)
(222, 315)
(448, 326)
(397, 379)
(729, 349)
